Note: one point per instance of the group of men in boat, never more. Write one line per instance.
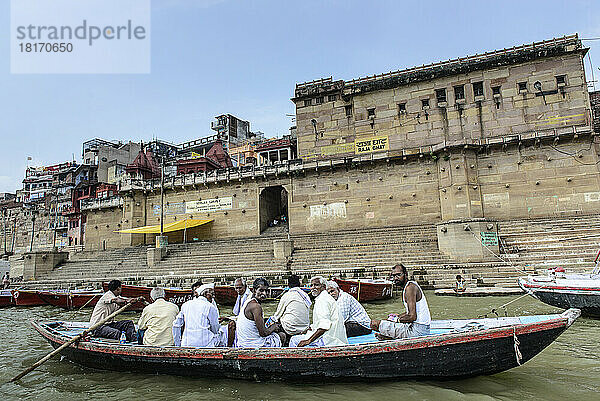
(336, 315)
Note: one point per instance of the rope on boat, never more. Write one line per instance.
(497, 256)
(518, 354)
(503, 306)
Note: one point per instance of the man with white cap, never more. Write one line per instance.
(200, 320)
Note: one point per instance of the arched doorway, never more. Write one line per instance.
(273, 209)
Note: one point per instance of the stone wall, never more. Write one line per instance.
(537, 178)
(100, 229)
(425, 108)
(18, 227)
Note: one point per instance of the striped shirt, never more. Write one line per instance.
(352, 310)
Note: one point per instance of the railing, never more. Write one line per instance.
(102, 203)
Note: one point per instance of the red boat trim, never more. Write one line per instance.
(556, 287)
(325, 352)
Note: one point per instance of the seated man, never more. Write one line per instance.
(157, 320)
(250, 326)
(416, 320)
(460, 285)
(201, 320)
(293, 311)
(328, 327)
(109, 303)
(355, 317)
(244, 294)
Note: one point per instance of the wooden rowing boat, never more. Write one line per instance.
(27, 298)
(6, 298)
(70, 299)
(366, 290)
(565, 291)
(455, 349)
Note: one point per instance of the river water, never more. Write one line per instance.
(569, 369)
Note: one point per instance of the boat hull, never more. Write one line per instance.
(27, 298)
(6, 298)
(70, 300)
(225, 295)
(585, 299)
(366, 291)
(450, 356)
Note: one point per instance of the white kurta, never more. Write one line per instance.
(241, 299)
(326, 316)
(202, 328)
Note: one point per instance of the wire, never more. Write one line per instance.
(582, 39)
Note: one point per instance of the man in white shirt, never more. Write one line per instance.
(244, 294)
(201, 320)
(293, 311)
(327, 328)
(157, 320)
(355, 316)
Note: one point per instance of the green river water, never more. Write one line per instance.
(569, 369)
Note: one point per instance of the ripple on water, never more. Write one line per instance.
(567, 369)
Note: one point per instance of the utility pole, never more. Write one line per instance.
(32, 229)
(4, 224)
(55, 222)
(162, 196)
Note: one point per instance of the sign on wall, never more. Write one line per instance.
(330, 211)
(370, 145)
(489, 238)
(209, 205)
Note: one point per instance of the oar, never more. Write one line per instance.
(71, 341)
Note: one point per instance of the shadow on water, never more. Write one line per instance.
(568, 369)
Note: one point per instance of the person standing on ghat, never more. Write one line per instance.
(416, 321)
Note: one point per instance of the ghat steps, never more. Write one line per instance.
(527, 246)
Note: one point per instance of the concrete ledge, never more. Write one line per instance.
(40, 262)
(469, 240)
(155, 255)
(282, 248)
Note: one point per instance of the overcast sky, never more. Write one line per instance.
(244, 57)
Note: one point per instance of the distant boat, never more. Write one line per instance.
(6, 298)
(225, 295)
(566, 291)
(366, 290)
(27, 298)
(71, 299)
(455, 349)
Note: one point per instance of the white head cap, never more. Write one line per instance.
(200, 290)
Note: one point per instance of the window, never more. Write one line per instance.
(332, 98)
(477, 89)
(371, 113)
(319, 100)
(522, 86)
(440, 95)
(307, 102)
(459, 92)
(425, 103)
(561, 80)
(348, 109)
(496, 90)
(401, 108)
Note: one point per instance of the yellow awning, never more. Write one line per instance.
(175, 226)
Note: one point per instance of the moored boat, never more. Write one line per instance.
(455, 349)
(225, 295)
(27, 298)
(6, 298)
(566, 291)
(366, 290)
(70, 299)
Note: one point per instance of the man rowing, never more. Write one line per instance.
(416, 320)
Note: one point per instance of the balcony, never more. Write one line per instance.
(96, 203)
